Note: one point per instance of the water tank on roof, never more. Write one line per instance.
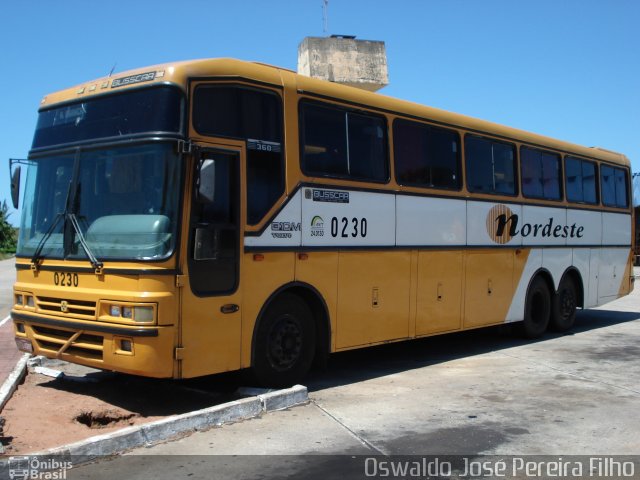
(343, 59)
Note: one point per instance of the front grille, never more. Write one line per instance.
(66, 308)
(61, 342)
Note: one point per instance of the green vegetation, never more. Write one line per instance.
(8, 237)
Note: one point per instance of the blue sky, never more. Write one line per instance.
(567, 69)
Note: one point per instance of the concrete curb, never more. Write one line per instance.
(281, 399)
(15, 377)
(179, 425)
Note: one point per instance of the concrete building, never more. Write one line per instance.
(343, 59)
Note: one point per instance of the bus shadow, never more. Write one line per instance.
(157, 398)
(364, 364)
(149, 397)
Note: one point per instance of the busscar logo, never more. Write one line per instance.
(284, 229)
(332, 196)
(140, 78)
(503, 225)
(317, 226)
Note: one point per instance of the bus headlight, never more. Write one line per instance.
(143, 314)
(128, 313)
(24, 300)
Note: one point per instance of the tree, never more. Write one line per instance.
(7, 232)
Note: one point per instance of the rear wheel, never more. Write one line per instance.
(285, 342)
(565, 302)
(537, 309)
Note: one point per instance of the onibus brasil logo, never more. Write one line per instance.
(36, 467)
(503, 225)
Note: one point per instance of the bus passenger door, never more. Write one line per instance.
(211, 298)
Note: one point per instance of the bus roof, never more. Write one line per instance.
(179, 73)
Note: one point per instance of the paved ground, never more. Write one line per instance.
(9, 354)
(462, 394)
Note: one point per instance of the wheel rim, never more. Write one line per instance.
(567, 303)
(285, 343)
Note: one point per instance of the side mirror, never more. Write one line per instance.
(15, 186)
(207, 181)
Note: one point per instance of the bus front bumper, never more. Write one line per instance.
(146, 351)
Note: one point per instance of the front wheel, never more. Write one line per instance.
(537, 309)
(285, 342)
(565, 302)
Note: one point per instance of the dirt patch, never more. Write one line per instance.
(49, 412)
(44, 414)
(104, 419)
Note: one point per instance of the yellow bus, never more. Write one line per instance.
(214, 215)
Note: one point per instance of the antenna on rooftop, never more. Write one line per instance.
(112, 69)
(325, 19)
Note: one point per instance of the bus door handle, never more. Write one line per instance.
(230, 308)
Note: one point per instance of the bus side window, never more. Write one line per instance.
(336, 142)
(613, 184)
(540, 171)
(253, 115)
(325, 142)
(367, 147)
(580, 180)
(589, 176)
(622, 196)
(213, 258)
(426, 156)
(490, 166)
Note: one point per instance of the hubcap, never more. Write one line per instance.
(567, 303)
(285, 343)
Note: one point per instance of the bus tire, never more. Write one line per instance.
(285, 342)
(537, 309)
(565, 302)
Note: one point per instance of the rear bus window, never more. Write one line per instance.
(613, 185)
(426, 156)
(490, 166)
(337, 142)
(580, 180)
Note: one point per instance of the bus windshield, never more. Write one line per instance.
(125, 200)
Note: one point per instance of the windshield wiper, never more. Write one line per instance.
(95, 263)
(73, 221)
(69, 216)
(73, 204)
(35, 259)
(37, 254)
